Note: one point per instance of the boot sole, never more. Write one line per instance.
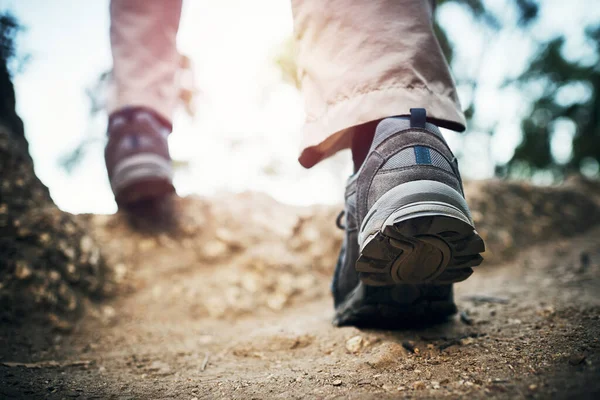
(142, 177)
(418, 233)
(416, 241)
(396, 307)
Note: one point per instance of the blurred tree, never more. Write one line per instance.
(10, 63)
(551, 70)
(557, 74)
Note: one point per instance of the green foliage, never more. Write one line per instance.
(554, 72)
(549, 74)
(551, 70)
(478, 9)
(8, 30)
(9, 58)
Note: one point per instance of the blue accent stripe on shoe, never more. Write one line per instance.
(422, 155)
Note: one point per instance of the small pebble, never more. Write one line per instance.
(409, 345)
(576, 359)
(354, 344)
(22, 270)
(465, 319)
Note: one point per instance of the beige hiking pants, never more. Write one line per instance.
(358, 61)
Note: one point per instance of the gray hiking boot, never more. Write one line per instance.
(137, 156)
(409, 231)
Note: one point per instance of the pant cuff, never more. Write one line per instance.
(332, 131)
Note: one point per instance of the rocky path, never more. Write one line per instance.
(235, 306)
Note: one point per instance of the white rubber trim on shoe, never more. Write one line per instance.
(421, 197)
(139, 167)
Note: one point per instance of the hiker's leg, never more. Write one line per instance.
(142, 98)
(145, 58)
(375, 79)
(362, 61)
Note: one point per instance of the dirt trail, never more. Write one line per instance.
(236, 306)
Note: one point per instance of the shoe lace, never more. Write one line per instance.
(338, 220)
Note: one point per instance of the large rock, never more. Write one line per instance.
(48, 263)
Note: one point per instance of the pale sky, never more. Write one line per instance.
(248, 120)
